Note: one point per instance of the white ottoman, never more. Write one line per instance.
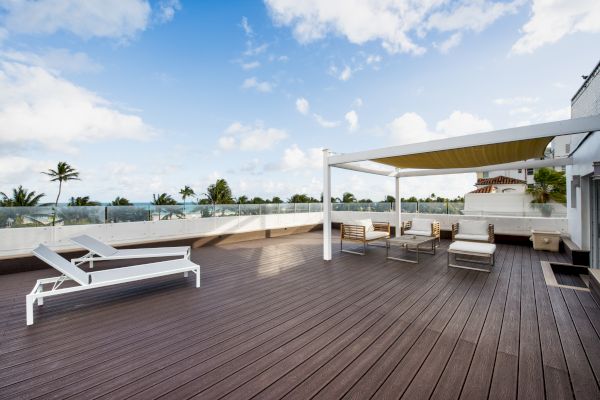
(473, 249)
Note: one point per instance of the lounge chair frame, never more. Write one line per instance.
(357, 234)
(38, 294)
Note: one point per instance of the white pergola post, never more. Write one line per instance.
(398, 211)
(326, 206)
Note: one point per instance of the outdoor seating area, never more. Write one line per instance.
(273, 320)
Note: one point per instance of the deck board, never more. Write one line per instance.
(272, 320)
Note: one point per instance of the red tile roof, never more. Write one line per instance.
(485, 189)
(500, 180)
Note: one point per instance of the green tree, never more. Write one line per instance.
(365, 201)
(185, 193)
(163, 199)
(242, 199)
(82, 201)
(219, 192)
(63, 173)
(21, 197)
(389, 199)
(276, 200)
(348, 198)
(258, 200)
(549, 185)
(120, 201)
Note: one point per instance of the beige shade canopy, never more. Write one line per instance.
(473, 156)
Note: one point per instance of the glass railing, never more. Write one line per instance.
(19, 217)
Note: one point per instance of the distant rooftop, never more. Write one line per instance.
(586, 83)
(485, 189)
(498, 180)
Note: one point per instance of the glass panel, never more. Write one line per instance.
(302, 207)
(67, 215)
(286, 208)
(226, 210)
(127, 214)
(408, 207)
(338, 207)
(267, 209)
(315, 207)
(456, 208)
(249, 209)
(199, 211)
(22, 217)
(432, 208)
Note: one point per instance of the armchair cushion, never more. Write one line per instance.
(418, 233)
(367, 223)
(471, 227)
(374, 235)
(420, 224)
(467, 236)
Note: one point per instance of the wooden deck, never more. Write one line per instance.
(272, 320)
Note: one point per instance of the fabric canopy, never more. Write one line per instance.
(474, 156)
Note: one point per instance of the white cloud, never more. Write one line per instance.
(254, 83)
(552, 20)
(56, 60)
(250, 137)
(326, 123)
(412, 128)
(294, 158)
(252, 50)
(302, 105)
(357, 103)
(453, 41)
(373, 59)
(516, 101)
(352, 119)
(343, 75)
(246, 27)
(101, 18)
(391, 22)
(37, 106)
(461, 123)
(535, 117)
(250, 65)
(15, 170)
(167, 9)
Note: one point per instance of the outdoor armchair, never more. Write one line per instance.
(363, 231)
(473, 230)
(422, 227)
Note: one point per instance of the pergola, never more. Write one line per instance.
(520, 147)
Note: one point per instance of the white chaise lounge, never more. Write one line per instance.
(100, 251)
(91, 280)
(474, 250)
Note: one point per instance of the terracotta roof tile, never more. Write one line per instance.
(485, 189)
(500, 180)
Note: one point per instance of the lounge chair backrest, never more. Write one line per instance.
(58, 262)
(421, 224)
(94, 245)
(472, 227)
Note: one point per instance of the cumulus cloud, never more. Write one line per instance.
(326, 123)
(14, 170)
(391, 22)
(250, 65)
(55, 60)
(250, 137)
(167, 9)
(246, 27)
(302, 105)
(412, 128)
(296, 159)
(352, 119)
(448, 44)
(37, 106)
(254, 83)
(91, 18)
(552, 20)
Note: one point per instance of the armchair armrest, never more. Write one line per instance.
(353, 232)
(454, 230)
(435, 229)
(405, 226)
(491, 237)
(382, 227)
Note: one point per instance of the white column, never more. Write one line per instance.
(398, 213)
(326, 206)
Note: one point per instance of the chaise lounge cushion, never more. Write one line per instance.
(420, 224)
(470, 227)
(374, 235)
(473, 247)
(418, 233)
(466, 236)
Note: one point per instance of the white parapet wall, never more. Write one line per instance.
(519, 226)
(17, 242)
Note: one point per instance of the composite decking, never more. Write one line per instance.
(272, 320)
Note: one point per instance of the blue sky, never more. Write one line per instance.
(147, 96)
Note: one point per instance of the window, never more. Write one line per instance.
(568, 148)
(486, 174)
(529, 171)
(520, 170)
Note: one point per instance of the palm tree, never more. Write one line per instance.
(82, 202)
(276, 200)
(549, 185)
(389, 199)
(185, 193)
(163, 199)
(348, 198)
(21, 197)
(219, 192)
(242, 199)
(120, 201)
(63, 173)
